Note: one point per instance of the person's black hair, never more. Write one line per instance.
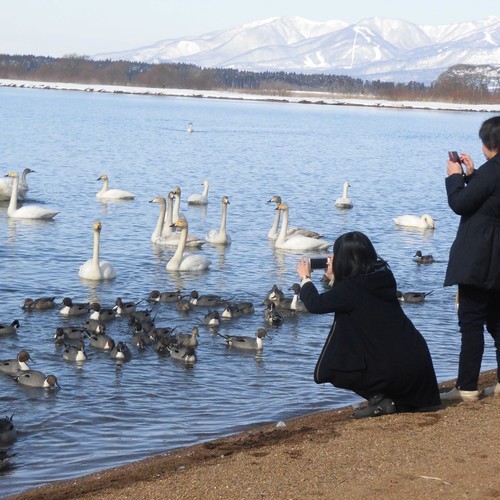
(354, 255)
(489, 133)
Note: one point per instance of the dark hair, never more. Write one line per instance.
(489, 133)
(354, 255)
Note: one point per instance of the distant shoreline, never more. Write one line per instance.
(318, 98)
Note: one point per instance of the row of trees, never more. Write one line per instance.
(461, 83)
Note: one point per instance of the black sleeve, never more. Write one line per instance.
(335, 300)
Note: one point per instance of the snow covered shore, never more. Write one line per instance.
(294, 97)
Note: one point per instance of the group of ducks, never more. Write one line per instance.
(179, 346)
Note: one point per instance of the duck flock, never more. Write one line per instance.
(89, 322)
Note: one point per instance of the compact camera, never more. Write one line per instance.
(454, 156)
(318, 263)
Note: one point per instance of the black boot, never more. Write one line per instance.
(378, 405)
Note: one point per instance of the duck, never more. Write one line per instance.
(244, 342)
(69, 333)
(199, 199)
(40, 304)
(208, 300)
(100, 313)
(20, 364)
(9, 329)
(95, 269)
(124, 308)
(170, 238)
(75, 352)
(220, 236)
(212, 318)
(73, 309)
(423, 259)
(245, 307)
(94, 326)
(6, 186)
(187, 339)
(157, 296)
(272, 315)
(186, 354)
(101, 341)
(26, 211)
(274, 231)
(8, 432)
(183, 305)
(297, 242)
(296, 304)
(230, 311)
(34, 378)
(275, 294)
(188, 262)
(112, 194)
(423, 222)
(344, 201)
(412, 297)
(120, 352)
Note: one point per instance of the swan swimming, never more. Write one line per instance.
(297, 242)
(190, 127)
(188, 262)
(95, 269)
(220, 236)
(274, 231)
(27, 211)
(344, 201)
(160, 237)
(112, 194)
(199, 199)
(6, 186)
(422, 222)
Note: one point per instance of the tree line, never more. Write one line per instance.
(459, 83)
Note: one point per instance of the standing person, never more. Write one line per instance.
(474, 263)
(373, 348)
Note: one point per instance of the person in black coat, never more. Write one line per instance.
(373, 348)
(474, 262)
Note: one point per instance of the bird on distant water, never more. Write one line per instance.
(412, 297)
(40, 304)
(419, 258)
(422, 222)
(112, 194)
(344, 201)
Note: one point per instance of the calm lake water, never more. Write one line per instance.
(105, 415)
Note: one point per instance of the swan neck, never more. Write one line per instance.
(205, 189)
(180, 247)
(13, 196)
(168, 219)
(276, 223)
(223, 218)
(346, 187)
(177, 204)
(95, 258)
(284, 226)
(159, 224)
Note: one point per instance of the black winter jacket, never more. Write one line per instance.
(373, 347)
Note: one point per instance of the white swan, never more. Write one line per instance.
(112, 194)
(422, 222)
(171, 238)
(6, 186)
(298, 241)
(274, 231)
(27, 211)
(188, 262)
(344, 201)
(190, 127)
(220, 236)
(199, 199)
(95, 269)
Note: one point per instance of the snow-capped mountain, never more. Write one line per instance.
(375, 48)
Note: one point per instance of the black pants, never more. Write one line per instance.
(477, 308)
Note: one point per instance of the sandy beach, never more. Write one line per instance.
(451, 453)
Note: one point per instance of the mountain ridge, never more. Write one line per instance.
(373, 48)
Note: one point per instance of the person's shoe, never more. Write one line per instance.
(493, 391)
(385, 406)
(456, 395)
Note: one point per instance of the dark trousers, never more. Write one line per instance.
(477, 308)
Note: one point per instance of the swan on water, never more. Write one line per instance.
(274, 231)
(6, 186)
(298, 241)
(170, 238)
(344, 201)
(199, 199)
(422, 222)
(186, 262)
(95, 269)
(112, 194)
(26, 211)
(190, 127)
(220, 236)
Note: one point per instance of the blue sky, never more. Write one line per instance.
(86, 27)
